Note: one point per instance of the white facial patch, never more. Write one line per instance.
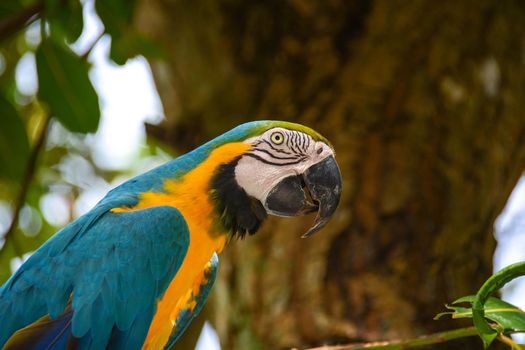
(276, 155)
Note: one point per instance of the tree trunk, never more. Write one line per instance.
(424, 103)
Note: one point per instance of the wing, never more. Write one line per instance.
(110, 267)
(185, 317)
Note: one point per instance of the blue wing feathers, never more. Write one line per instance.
(44, 334)
(115, 265)
(133, 337)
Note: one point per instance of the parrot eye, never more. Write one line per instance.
(277, 138)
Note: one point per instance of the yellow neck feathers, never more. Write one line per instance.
(191, 196)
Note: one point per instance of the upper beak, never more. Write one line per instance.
(323, 184)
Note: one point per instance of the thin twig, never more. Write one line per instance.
(43, 34)
(508, 340)
(13, 24)
(26, 183)
(85, 55)
(424, 340)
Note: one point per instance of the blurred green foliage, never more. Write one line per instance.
(29, 167)
(13, 137)
(65, 87)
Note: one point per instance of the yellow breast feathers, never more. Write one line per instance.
(191, 196)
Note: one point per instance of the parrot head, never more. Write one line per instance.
(288, 170)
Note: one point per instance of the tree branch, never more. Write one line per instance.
(85, 55)
(11, 25)
(26, 182)
(424, 340)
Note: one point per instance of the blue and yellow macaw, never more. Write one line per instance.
(134, 271)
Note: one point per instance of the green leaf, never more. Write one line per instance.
(494, 283)
(9, 8)
(65, 87)
(507, 317)
(126, 41)
(117, 15)
(14, 144)
(133, 44)
(65, 19)
(122, 48)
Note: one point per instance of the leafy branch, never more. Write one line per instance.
(504, 319)
(487, 332)
(65, 89)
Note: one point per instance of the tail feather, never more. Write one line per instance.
(44, 334)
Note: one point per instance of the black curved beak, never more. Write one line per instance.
(323, 185)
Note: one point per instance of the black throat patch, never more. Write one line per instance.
(238, 213)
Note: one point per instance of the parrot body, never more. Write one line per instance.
(134, 271)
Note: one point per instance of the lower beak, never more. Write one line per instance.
(323, 185)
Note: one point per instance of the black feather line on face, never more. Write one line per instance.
(272, 147)
(239, 214)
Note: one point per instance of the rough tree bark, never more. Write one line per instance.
(424, 103)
